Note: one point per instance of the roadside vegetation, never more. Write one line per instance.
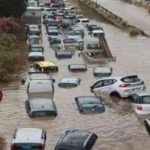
(10, 22)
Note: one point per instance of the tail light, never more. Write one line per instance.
(12, 147)
(124, 85)
(42, 147)
(142, 82)
(139, 107)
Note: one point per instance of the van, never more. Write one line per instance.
(40, 89)
(29, 138)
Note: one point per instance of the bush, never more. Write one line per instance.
(134, 32)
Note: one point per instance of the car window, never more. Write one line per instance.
(109, 82)
(146, 100)
(99, 84)
(130, 79)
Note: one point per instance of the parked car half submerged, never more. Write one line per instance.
(90, 104)
(141, 103)
(69, 82)
(123, 86)
(76, 140)
(45, 66)
(40, 107)
(28, 138)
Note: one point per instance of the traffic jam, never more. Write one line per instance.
(59, 44)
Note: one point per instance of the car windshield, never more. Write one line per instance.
(73, 33)
(146, 99)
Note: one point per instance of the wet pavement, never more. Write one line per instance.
(134, 15)
(118, 127)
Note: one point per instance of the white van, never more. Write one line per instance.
(40, 89)
(29, 139)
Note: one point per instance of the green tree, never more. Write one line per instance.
(14, 8)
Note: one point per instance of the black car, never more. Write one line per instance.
(89, 104)
(76, 140)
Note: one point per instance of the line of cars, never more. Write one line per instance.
(40, 90)
(40, 103)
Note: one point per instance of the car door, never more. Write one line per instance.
(103, 86)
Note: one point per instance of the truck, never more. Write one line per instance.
(32, 15)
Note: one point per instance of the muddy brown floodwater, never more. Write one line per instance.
(118, 128)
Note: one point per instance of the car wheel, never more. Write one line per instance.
(116, 94)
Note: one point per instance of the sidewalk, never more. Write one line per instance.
(136, 16)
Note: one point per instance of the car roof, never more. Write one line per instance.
(76, 138)
(73, 66)
(82, 99)
(45, 63)
(39, 104)
(71, 80)
(40, 86)
(103, 69)
(28, 135)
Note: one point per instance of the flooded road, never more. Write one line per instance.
(118, 127)
(134, 15)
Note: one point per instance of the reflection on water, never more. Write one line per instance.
(118, 127)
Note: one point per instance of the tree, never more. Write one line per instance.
(14, 8)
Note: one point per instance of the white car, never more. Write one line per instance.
(123, 86)
(147, 125)
(29, 138)
(141, 103)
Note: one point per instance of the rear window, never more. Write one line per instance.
(43, 113)
(29, 146)
(52, 33)
(130, 79)
(69, 41)
(146, 99)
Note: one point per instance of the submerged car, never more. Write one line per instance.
(141, 103)
(76, 140)
(35, 56)
(28, 138)
(123, 86)
(40, 107)
(70, 44)
(63, 54)
(102, 71)
(77, 67)
(69, 82)
(45, 66)
(40, 89)
(89, 104)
